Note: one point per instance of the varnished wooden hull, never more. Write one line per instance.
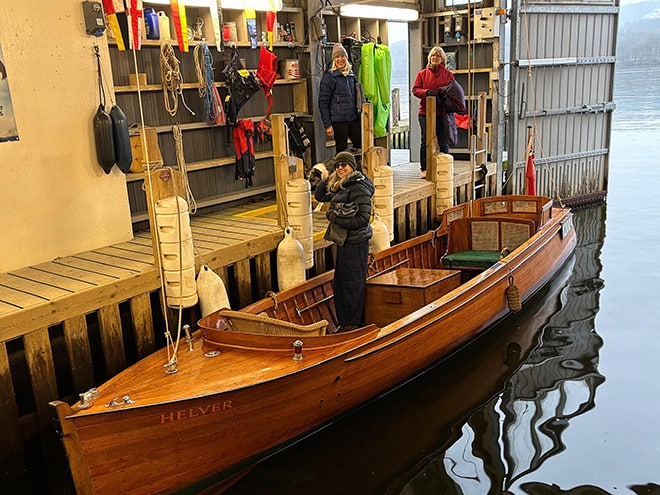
(218, 415)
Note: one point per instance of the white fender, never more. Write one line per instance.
(381, 236)
(290, 261)
(211, 291)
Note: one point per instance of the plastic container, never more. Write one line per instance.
(151, 24)
(164, 26)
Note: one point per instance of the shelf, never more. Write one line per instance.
(205, 164)
(217, 200)
(219, 84)
(204, 125)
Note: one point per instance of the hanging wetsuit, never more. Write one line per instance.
(243, 134)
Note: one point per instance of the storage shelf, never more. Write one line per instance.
(217, 200)
(219, 84)
(205, 125)
(205, 164)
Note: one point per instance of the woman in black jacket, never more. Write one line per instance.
(338, 101)
(349, 193)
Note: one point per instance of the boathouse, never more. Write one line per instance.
(80, 285)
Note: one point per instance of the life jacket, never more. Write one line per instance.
(243, 134)
(267, 74)
(242, 86)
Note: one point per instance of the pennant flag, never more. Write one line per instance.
(530, 171)
(112, 8)
(134, 12)
(270, 25)
(180, 23)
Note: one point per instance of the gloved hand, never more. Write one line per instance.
(430, 92)
(330, 215)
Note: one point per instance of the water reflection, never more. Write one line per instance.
(480, 420)
(516, 431)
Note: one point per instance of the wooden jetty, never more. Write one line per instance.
(70, 323)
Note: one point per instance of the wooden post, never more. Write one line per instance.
(374, 157)
(12, 441)
(286, 167)
(367, 128)
(431, 138)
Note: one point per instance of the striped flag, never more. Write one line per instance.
(112, 8)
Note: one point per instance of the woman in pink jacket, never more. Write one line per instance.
(435, 80)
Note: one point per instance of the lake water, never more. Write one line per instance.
(562, 398)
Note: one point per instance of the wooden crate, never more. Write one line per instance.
(395, 294)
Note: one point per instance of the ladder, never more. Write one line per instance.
(479, 150)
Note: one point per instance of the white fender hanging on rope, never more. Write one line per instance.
(211, 291)
(176, 251)
(290, 261)
(380, 240)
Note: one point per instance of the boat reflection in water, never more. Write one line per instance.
(515, 432)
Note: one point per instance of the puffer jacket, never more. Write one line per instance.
(357, 189)
(430, 79)
(337, 100)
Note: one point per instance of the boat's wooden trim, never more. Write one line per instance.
(284, 343)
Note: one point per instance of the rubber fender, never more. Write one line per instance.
(105, 148)
(122, 140)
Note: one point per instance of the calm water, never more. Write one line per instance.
(564, 398)
(561, 398)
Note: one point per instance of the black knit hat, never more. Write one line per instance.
(348, 158)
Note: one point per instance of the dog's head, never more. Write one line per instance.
(317, 173)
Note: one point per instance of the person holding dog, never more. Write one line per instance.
(338, 101)
(349, 193)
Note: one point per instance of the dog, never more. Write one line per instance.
(318, 173)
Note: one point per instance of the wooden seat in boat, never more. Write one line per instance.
(477, 243)
(240, 321)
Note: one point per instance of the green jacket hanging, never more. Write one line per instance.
(375, 76)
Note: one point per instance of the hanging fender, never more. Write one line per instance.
(122, 139)
(105, 148)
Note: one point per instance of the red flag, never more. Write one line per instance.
(530, 175)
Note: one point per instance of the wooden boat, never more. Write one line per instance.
(272, 373)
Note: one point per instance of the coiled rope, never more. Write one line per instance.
(171, 79)
(205, 80)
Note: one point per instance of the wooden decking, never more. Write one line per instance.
(99, 305)
(45, 294)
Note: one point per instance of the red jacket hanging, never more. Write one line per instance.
(243, 134)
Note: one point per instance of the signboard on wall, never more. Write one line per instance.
(8, 130)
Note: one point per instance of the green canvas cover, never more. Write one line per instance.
(473, 259)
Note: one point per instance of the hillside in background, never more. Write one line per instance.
(638, 40)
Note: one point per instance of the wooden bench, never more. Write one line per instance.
(240, 321)
(477, 243)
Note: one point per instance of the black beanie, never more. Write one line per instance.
(347, 157)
